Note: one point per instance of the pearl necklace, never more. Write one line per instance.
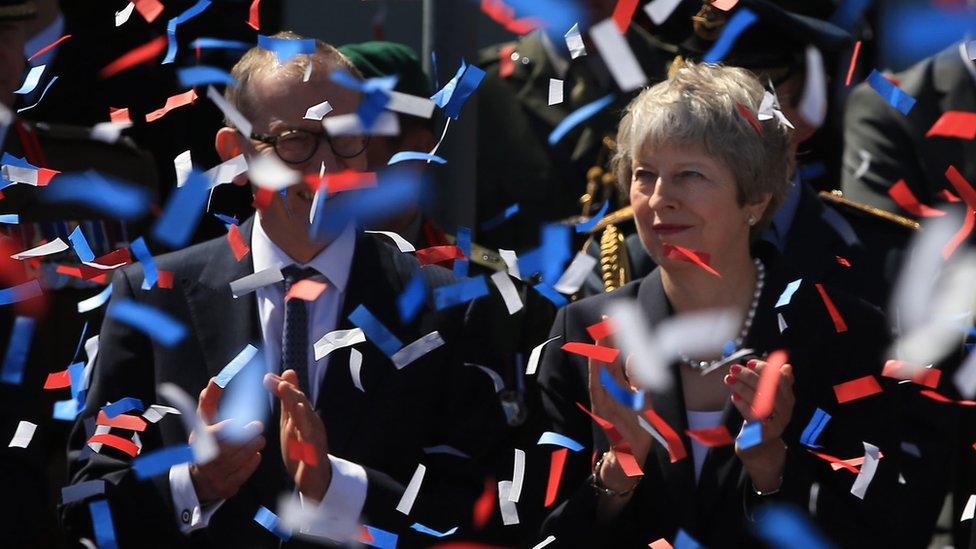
(706, 366)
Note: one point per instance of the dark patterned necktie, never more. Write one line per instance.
(294, 336)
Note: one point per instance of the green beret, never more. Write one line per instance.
(387, 58)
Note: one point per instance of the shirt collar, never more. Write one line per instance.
(335, 261)
(45, 36)
(783, 218)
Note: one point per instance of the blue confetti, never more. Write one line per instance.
(728, 348)
(81, 491)
(396, 189)
(18, 347)
(849, 13)
(433, 67)
(207, 43)
(739, 22)
(901, 101)
(464, 243)
(460, 292)
(202, 75)
(585, 226)
(160, 461)
(381, 538)
(66, 410)
(112, 197)
(76, 373)
(122, 406)
(500, 218)
(558, 15)
(43, 93)
(550, 258)
(183, 211)
(412, 299)
(812, 171)
(20, 292)
(271, 523)
(284, 48)
(227, 220)
(80, 244)
(683, 540)
(10, 219)
(750, 435)
(151, 321)
(102, 524)
(404, 156)
(455, 93)
(96, 301)
(551, 294)
(557, 439)
(430, 531)
(631, 399)
(375, 331)
(784, 526)
(813, 429)
(150, 275)
(228, 372)
(190, 13)
(577, 117)
(787, 295)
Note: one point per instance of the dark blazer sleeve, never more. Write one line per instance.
(140, 510)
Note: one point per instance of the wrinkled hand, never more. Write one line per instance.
(622, 417)
(222, 477)
(765, 461)
(300, 422)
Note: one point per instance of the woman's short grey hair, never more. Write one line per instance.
(697, 106)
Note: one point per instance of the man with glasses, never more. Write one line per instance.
(366, 425)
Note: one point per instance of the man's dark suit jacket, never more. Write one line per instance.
(436, 400)
(897, 143)
(716, 511)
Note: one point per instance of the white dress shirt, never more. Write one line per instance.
(344, 500)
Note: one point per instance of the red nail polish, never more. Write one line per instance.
(735, 397)
(735, 368)
(732, 379)
(727, 379)
(752, 363)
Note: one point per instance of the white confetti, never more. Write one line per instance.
(226, 171)
(574, 42)
(236, 118)
(813, 104)
(157, 412)
(122, 16)
(251, 282)
(410, 104)
(349, 124)
(337, 339)
(617, 55)
(506, 506)
(23, 435)
(782, 322)
(355, 368)
(511, 261)
(269, 172)
(417, 349)
(55, 246)
(970, 509)
(108, 132)
(31, 80)
(660, 10)
(534, 356)
(18, 174)
(965, 377)
(204, 443)
(508, 290)
(574, 276)
(518, 476)
(868, 469)
(549, 539)
(413, 488)
(401, 243)
(184, 165)
(316, 112)
(865, 164)
(555, 91)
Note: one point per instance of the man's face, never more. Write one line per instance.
(12, 39)
(281, 100)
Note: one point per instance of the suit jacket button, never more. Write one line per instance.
(185, 515)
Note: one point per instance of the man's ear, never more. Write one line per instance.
(228, 145)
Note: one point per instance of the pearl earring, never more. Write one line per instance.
(752, 221)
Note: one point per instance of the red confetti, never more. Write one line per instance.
(601, 329)
(968, 195)
(122, 421)
(263, 198)
(77, 272)
(149, 9)
(627, 461)
(306, 290)
(44, 176)
(119, 116)
(237, 244)
(165, 280)
(139, 55)
(438, 254)
(349, 180)
(612, 433)
(116, 257)
(484, 507)
(946, 194)
(173, 102)
(676, 447)
(48, 47)
(254, 15)
(834, 460)
(850, 69)
(302, 451)
(672, 251)
(623, 13)
(599, 353)
(899, 369)
(959, 124)
(506, 65)
(903, 196)
(117, 442)
(724, 5)
(558, 460)
(58, 380)
(504, 15)
(712, 437)
(856, 388)
(364, 535)
(942, 398)
(751, 118)
(660, 544)
(762, 403)
(839, 323)
(842, 261)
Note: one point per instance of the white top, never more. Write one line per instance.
(338, 514)
(701, 420)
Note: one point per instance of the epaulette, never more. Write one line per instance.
(480, 255)
(612, 218)
(836, 198)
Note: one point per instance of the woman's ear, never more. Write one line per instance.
(758, 208)
(228, 145)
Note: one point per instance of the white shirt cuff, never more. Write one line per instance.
(339, 512)
(190, 515)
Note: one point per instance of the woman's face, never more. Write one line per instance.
(683, 196)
